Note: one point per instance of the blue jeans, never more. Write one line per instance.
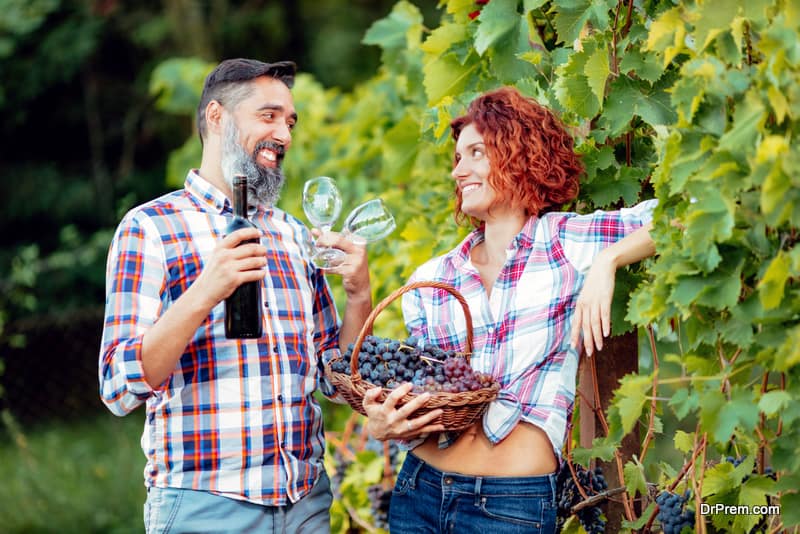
(426, 500)
(175, 510)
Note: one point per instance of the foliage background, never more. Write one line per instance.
(695, 103)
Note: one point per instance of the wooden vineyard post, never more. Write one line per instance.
(620, 356)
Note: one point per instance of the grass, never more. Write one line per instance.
(72, 476)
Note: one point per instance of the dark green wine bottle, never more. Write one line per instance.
(243, 307)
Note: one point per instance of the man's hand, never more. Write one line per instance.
(353, 269)
(386, 421)
(231, 266)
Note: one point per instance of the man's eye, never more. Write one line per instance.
(268, 116)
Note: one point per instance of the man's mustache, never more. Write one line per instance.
(279, 149)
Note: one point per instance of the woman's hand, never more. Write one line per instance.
(592, 319)
(386, 421)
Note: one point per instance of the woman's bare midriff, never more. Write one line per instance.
(524, 452)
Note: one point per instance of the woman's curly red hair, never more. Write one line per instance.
(532, 158)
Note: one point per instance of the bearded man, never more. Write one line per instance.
(233, 435)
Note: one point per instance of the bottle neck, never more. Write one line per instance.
(240, 199)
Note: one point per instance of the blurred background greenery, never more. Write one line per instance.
(87, 134)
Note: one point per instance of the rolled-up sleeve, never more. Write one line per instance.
(584, 236)
(135, 281)
(326, 331)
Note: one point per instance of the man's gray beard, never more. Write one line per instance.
(264, 184)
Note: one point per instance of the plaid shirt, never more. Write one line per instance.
(236, 417)
(521, 332)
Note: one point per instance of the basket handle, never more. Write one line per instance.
(354, 373)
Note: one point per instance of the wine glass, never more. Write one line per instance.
(368, 222)
(322, 203)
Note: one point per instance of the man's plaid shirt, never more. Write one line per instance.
(236, 417)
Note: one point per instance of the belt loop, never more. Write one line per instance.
(478, 482)
(412, 480)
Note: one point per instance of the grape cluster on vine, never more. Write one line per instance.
(388, 363)
(673, 514)
(379, 500)
(567, 495)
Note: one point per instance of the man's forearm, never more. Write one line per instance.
(634, 247)
(165, 342)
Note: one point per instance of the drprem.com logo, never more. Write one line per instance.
(741, 509)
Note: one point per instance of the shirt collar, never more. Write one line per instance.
(524, 239)
(206, 193)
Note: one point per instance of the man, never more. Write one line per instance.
(233, 435)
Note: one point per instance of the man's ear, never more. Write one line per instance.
(214, 112)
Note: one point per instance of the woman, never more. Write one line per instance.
(520, 270)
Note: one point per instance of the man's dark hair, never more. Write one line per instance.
(229, 84)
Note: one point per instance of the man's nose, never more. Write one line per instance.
(282, 134)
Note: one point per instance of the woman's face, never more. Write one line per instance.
(471, 172)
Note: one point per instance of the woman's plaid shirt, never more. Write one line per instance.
(236, 417)
(522, 330)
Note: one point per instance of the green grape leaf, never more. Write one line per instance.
(597, 70)
(446, 76)
(569, 21)
(771, 287)
(530, 5)
(630, 397)
(713, 16)
(442, 38)
(391, 31)
(645, 65)
(774, 402)
(747, 119)
(722, 416)
(683, 402)
(497, 18)
(178, 83)
(633, 474)
(506, 64)
(790, 509)
(400, 148)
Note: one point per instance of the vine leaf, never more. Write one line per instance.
(497, 18)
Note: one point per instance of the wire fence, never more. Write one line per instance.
(54, 375)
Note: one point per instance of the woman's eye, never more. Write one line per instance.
(477, 152)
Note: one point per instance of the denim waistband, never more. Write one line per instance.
(417, 470)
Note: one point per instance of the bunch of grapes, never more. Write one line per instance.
(673, 513)
(379, 501)
(567, 496)
(389, 363)
(768, 472)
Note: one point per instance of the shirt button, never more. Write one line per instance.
(280, 398)
(266, 304)
(448, 481)
(491, 329)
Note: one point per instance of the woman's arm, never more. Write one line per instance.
(593, 308)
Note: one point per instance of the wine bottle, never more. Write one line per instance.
(243, 307)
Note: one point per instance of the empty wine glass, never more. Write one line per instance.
(322, 204)
(367, 223)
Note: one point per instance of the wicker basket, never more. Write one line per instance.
(459, 410)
